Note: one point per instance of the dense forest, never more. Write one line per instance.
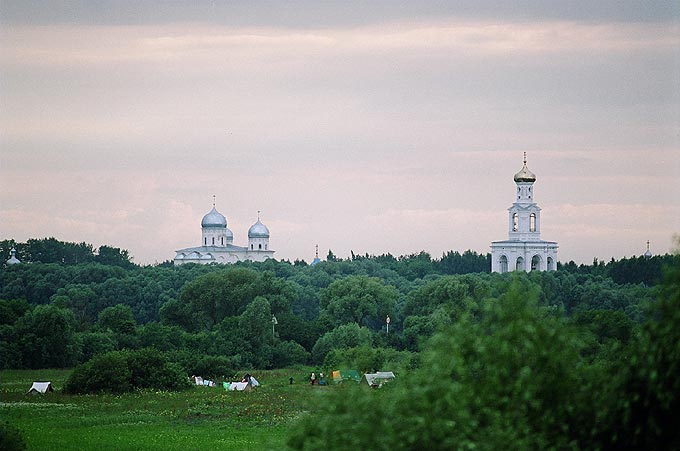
(582, 357)
(68, 302)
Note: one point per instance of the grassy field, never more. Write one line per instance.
(201, 418)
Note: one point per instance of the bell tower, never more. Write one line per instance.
(524, 250)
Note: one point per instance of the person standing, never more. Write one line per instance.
(312, 379)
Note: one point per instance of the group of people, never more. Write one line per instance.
(313, 380)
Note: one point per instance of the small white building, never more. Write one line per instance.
(217, 243)
(524, 250)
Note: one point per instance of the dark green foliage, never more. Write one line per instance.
(117, 319)
(510, 378)
(469, 262)
(11, 311)
(94, 343)
(214, 367)
(359, 299)
(151, 369)
(10, 438)
(123, 371)
(105, 373)
(46, 337)
(113, 256)
(51, 250)
(208, 299)
(345, 336)
(649, 407)
(161, 337)
(288, 353)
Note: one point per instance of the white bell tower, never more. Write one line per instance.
(524, 250)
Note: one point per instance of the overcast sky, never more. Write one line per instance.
(371, 127)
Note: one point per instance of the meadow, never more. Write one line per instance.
(200, 418)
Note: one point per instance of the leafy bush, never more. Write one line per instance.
(342, 337)
(103, 373)
(93, 343)
(122, 371)
(10, 438)
(288, 353)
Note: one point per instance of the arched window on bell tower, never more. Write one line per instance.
(503, 264)
(532, 222)
(515, 222)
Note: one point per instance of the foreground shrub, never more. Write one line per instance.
(512, 378)
(123, 371)
(10, 438)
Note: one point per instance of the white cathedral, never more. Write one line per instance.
(524, 250)
(217, 243)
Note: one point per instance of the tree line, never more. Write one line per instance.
(63, 311)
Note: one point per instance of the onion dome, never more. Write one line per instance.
(648, 254)
(258, 230)
(525, 175)
(230, 235)
(214, 219)
(13, 260)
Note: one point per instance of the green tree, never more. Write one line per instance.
(288, 353)
(117, 319)
(81, 300)
(345, 336)
(208, 299)
(46, 336)
(113, 256)
(11, 311)
(359, 299)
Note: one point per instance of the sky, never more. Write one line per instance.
(361, 126)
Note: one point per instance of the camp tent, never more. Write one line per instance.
(40, 387)
(237, 386)
(377, 379)
(243, 385)
(341, 376)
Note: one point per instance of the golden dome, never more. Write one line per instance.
(525, 175)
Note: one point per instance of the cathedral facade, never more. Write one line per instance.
(217, 243)
(524, 250)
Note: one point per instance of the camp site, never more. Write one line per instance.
(231, 411)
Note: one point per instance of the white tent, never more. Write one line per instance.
(40, 387)
(379, 378)
(239, 386)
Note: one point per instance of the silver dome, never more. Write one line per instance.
(214, 219)
(258, 230)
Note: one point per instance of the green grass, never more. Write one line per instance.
(201, 418)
